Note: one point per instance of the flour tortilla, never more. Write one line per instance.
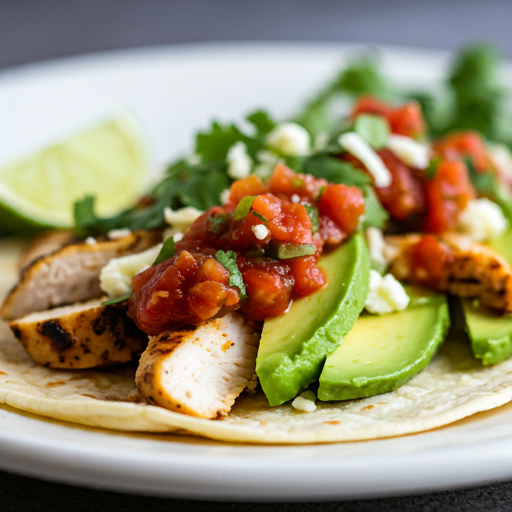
(454, 385)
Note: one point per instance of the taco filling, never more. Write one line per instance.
(272, 278)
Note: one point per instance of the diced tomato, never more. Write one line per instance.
(447, 194)
(307, 276)
(269, 294)
(342, 204)
(429, 258)
(186, 289)
(250, 186)
(286, 182)
(456, 146)
(404, 197)
(329, 231)
(293, 225)
(193, 286)
(406, 120)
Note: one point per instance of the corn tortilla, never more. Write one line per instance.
(454, 385)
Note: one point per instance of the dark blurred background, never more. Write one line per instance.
(40, 29)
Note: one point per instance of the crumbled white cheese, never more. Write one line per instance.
(385, 294)
(267, 161)
(295, 198)
(183, 218)
(116, 234)
(289, 139)
(239, 162)
(224, 196)
(376, 245)
(410, 151)
(358, 147)
(501, 157)
(482, 220)
(260, 231)
(303, 404)
(172, 233)
(90, 240)
(116, 276)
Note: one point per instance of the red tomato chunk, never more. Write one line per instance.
(405, 120)
(192, 286)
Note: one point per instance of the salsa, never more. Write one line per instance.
(275, 234)
(259, 251)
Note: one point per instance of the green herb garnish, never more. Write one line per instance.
(289, 251)
(375, 215)
(314, 217)
(334, 171)
(167, 251)
(487, 185)
(228, 261)
(243, 208)
(373, 129)
(261, 217)
(217, 223)
(431, 170)
(117, 300)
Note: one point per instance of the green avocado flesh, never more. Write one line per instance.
(382, 352)
(293, 347)
(490, 335)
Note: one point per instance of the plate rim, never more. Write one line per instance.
(30, 455)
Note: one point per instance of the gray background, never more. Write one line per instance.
(32, 30)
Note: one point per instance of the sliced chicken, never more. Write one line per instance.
(473, 270)
(81, 336)
(200, 371)
(44, 244)
(70, 274)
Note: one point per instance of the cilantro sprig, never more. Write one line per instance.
(228, 261)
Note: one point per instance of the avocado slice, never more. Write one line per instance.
(382, 352)
(293, 347)
(490, 334)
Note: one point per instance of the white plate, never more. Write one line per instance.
(175, 91)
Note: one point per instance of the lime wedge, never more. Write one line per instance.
(110, 160)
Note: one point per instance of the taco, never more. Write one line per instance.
(273, 289)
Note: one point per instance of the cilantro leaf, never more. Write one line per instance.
(262, 121)
(373, 129)
(167, 251)
(84, 215)
(213, 145)
(487, 185)
(361, 76)
(431, 170)
(479, 97)
(228, 261)
(375, 215)
(334, 171)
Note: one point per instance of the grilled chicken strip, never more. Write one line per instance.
(81, 336)
(473, 270)
(201, 371)
(70, 274)
(44, 244)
